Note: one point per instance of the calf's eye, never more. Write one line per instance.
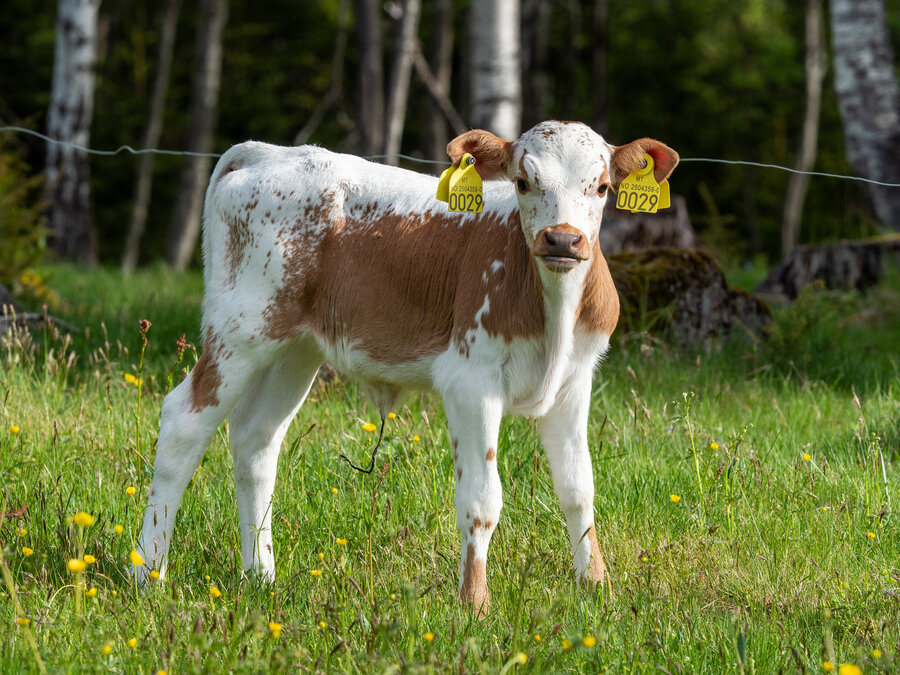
(602, 190)
(521, 185)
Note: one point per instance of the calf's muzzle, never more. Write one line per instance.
(561, 245)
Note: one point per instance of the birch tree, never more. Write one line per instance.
(496, 89)
(68, 195)
(398, 93)
(869, 99)
(204, 100)
(371, 77)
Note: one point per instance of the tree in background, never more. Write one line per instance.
(495, 78)
(204, 99)
(370, 109)
(68, 194)
(398, 94)
(869, 99)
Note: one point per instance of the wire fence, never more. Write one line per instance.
(419, 160)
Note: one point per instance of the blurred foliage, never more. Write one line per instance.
(712, 78)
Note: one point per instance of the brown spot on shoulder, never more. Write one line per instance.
(598, 311)
(205, 377)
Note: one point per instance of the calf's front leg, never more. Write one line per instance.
(564, 435)
(474, 421)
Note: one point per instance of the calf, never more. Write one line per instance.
(311, 256)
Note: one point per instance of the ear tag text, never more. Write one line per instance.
(640, 193)
(461, 187)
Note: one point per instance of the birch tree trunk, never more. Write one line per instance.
(600, 49)
(442, 60)
(400, 75)
(534, 43)
(869, 99)
(494, 69)
(806, 157)
(151, 135)
(204, 98)
(371, 77)
(68, 195)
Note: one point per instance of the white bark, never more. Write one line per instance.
(69, 217)
(399, 92)
(869, 99)
(494, 70)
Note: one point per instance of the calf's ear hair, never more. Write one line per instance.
(492, 155)
(628, 158)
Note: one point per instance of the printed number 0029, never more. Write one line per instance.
(636, 202)
(465, 202)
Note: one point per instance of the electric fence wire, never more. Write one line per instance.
(187, 153)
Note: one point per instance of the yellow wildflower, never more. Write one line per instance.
(275, 629)
(321, 556)
(27, 551)
(876, 653)
(23, 620)
(849, 669)
(322, 625)
(13, 429)
(713, 446)
(589, 641)
(161, 672)
(131, 642)
(136, 558)
(368, 427)
(416, 439)
(107, 648)
(91, 592)
(129, 378)
(114, 592)
(118, 529)
(675, 498)
(83, 519)
(130, 490)
(870, 535)
(340, 542)
(89, 559)
(521, 658)
(393, 596)
(827, 666)
(806, 457)
(154, 575)
(22, 531)
(316, 573)
(537, 638)
(566, 644)
(76, 565)
(215, 592)
(392, 416)
(206, 577)
(428, 637)
(334, 491)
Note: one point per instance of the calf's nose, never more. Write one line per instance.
(561, 243)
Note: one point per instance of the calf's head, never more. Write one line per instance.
(563, 172)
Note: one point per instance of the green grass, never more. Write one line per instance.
(768, 561)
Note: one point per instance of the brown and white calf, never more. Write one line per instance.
(311, 256)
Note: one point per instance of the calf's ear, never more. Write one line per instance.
(630, 157)
(492, 155)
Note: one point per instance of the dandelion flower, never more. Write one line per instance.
(215, 592)
(316, 573)
(392, 416)
(91, 592)
(876, 653)
(130, 490)
(76, 565)
(13, 429)
(129, 378)
(870, 535)
(340, 542)
(368, 427)
(589, 641)
(136, 558)
(154, 575)
(675, 498)
(806, 457)
(27, 551)
(106, 649)
(161, 672)
(22, 531)
(428, 637)
(393, 596)
(321, 556)
(322, 625)
(334, 491)
(275, 629)
(23, 620)
(131, 642)
(83, 519)
(713, 446)
(827, 666)
(118, 529)
(521, 658)
(206, 577)
(849, 669)
(566, 644)
(89, 559)
(416, 439)
(114, 592)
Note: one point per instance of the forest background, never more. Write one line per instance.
(712, 78)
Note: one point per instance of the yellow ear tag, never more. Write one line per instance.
(665, 200)
(443, 191)
(639, 192)
(465, 188)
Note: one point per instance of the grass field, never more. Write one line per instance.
(746, 505)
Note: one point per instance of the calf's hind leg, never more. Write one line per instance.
(258, 424)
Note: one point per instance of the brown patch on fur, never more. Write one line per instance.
(596, 571)
(492, 155)
(238, 239)
(408, 293)
(491, 455)
(628, 158)
(474, 591)
(459, 474)
(205, 377)
(598, 311)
